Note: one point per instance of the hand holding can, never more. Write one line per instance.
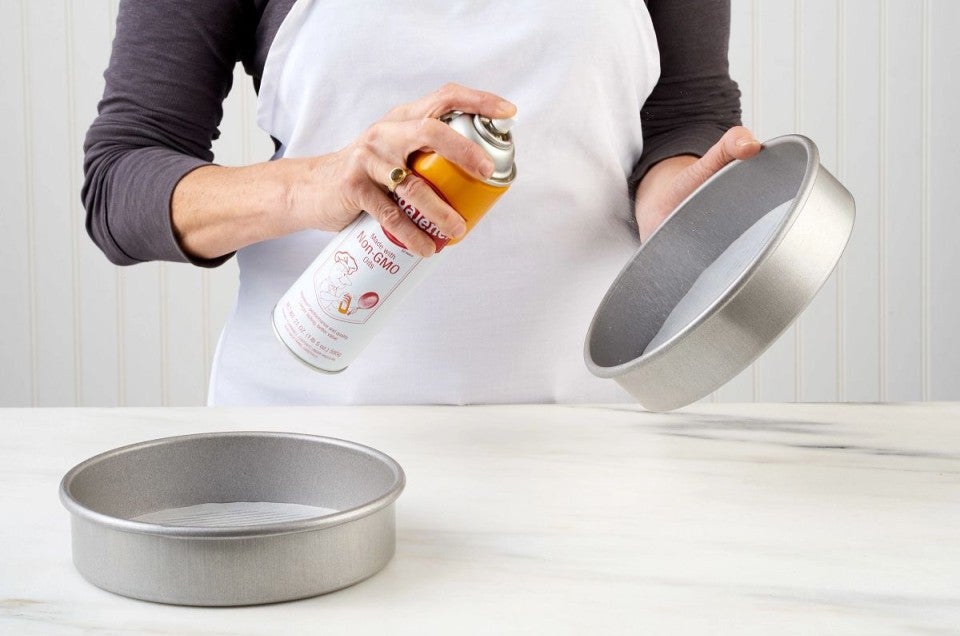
(325, 336)
(329, 191)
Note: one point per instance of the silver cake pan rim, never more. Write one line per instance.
(635, 373)
(75, 507)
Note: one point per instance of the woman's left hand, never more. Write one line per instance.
(672, 180)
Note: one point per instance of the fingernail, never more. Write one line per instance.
(459, 230)
(746, 141)
(428, 249)
(507, 108)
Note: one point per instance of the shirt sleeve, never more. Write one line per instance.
(170, 69)
(695, 101)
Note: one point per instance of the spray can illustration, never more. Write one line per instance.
(339, 303)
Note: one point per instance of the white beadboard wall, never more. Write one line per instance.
(873, 82)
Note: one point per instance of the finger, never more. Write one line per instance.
(396, 140)
(418, 193)
(385, 210)
(454, 97)
(736, 143)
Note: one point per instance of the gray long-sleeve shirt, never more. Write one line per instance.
(172, 67)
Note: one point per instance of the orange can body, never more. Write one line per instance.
(470, 197)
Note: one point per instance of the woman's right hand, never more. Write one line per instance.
(329, 191)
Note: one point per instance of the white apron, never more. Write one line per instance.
(503, 317)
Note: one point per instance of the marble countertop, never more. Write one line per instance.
(765, 519)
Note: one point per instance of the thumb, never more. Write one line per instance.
(736, 143)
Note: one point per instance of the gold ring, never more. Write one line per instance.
(396, 177)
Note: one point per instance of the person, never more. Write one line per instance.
(624, 109)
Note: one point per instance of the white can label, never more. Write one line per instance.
(328, 315)
(365, 269)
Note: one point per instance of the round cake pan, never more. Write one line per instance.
(750, 307)
(232, 518)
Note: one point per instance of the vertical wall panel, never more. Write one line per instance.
(183, 336)
(16, 344)
(776, 371)
(48, 177)
(142, 355)
(221, 296)
(90, 30)
(817, 119)
(860, 172)
(743, 24)
(944, 212)
(902, 202)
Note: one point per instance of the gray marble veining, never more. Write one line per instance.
(749, 519)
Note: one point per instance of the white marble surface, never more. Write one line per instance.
(787, 519)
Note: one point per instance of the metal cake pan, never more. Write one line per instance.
(232, 518)
(746, 317)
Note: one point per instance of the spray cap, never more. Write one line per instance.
(503, 126)
(496, 141)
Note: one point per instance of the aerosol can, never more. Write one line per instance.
(340, 302)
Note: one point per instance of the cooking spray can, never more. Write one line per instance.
(340, 302)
